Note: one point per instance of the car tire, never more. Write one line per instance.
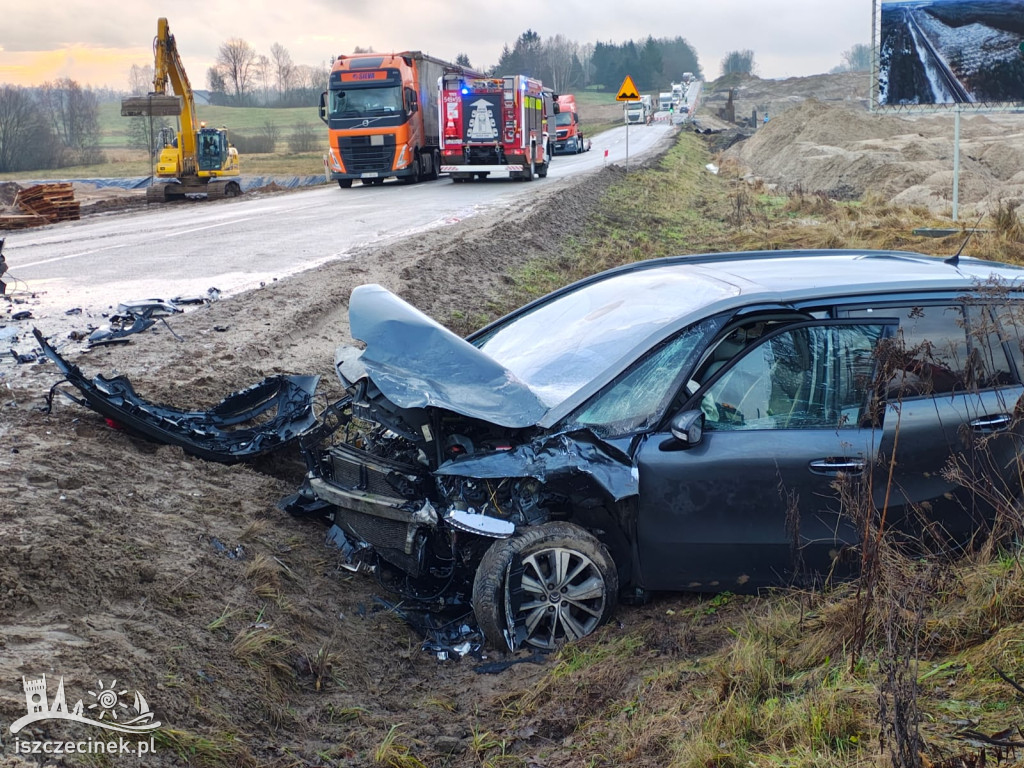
(553, 609)
(345, 183)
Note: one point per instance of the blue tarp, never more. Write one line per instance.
(141, 182)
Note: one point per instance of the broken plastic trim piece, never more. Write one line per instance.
(219, 434)
(482, 525)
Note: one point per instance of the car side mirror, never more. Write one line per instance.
(688, 427)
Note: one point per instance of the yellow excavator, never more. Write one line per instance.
(194, 160)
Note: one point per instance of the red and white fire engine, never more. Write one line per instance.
(494, 125)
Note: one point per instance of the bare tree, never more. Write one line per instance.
(262, 68)
(559, 54)
(304, 137)
(284, 68)
(857, 59)
(586, 57)
(22, 126)
(218, 87)
(140, 79)
(236, 59)
(73, 113)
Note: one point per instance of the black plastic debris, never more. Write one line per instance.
(496, 667)
(447, 635)
(74, 311)
(133, 317)
(212, 294)
(119, 327)
(3, 267)
(357, 555)
(25, 314)
(304, 504)
(23, 357)
(246, 424)
(233, 553)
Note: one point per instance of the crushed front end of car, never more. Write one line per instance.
(434, 468)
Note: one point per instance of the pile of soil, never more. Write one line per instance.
(842, 150)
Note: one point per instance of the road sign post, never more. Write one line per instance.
(627, 92)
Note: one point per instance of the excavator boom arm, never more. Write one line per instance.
(167, 66)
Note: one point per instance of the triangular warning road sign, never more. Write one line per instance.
(628, 91)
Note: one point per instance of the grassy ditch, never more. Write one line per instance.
(918, 664)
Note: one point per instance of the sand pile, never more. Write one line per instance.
(845, 151)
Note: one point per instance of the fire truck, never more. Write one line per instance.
(494, 125)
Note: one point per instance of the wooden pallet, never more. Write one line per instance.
(54, 202)
(21, 221)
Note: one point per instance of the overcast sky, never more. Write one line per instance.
(95, 42)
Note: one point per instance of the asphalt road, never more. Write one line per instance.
(182, 249)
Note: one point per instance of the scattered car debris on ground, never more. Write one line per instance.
(133, 317)
(252, 422)
(23, 357)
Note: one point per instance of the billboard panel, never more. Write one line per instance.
(932, 54)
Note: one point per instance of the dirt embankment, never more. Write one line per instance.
(820, 142)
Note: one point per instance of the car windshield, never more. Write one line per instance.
(366, 102)
(563, 119)
(563, 344)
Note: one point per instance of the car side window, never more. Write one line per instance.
(938, 350)
(998, 345)
(808, 377)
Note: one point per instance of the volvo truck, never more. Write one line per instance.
(381, 116)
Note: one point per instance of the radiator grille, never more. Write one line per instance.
(359, 156)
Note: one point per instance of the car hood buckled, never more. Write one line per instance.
(416, 363)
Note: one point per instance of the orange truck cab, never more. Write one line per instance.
(568, 131)
(381, 116)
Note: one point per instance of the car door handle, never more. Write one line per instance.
(835, 466)
(999, 421)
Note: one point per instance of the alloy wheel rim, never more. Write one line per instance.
(564, 597)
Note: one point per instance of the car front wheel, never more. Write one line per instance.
(554, 582)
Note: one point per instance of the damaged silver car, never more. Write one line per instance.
(677, 424)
